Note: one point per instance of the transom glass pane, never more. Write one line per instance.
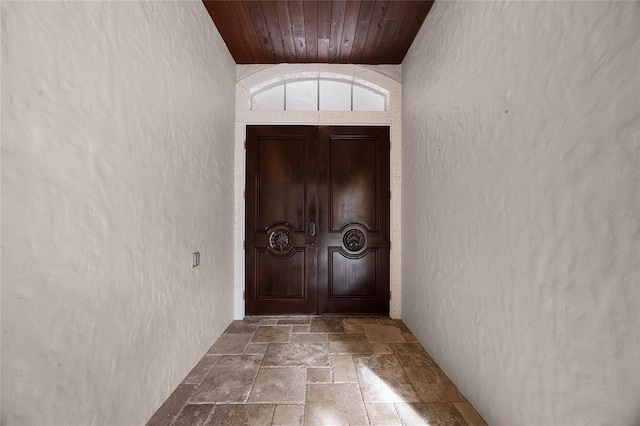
(271, 99)
(302, 96)
(365, 99)
(335, 95)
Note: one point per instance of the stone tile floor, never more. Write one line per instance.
(316, 371)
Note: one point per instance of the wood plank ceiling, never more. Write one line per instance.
(316, 31)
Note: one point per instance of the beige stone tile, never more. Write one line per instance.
(388, 392)
(421, 379)
(378, 367)
(412, 355)
(352, 328)
(401, 326)
(410, 338)
(430, 413)
(350, 347)
(288, 415)
(334, 404)
(256, 348)
(271, 334)
(381, 348)
(193, 415)
(432, 385)
(297, 355)
(269, 322)
(361, 321)
(327, 325)
(241, 415)
(242, 326)
(382, 379)
(385, 321)
(318, 375)
(294, 321)
(383, 334)
(230, 344)
(200, 371)
(229, 381)
(301, 328)
(469, 413)
(382, 415)
(343, 369)
(347, 337)
(172, 406)
(279, 385)
(309, 338)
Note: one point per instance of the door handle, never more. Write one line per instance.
(312, 229)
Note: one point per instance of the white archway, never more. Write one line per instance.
(391, 117)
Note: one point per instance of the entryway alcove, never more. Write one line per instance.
(372, 99)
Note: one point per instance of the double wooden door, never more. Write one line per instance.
(317, 220)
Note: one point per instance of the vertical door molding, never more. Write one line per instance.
(245, 116)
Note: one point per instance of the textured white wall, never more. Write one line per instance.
(117, 164)
(521, 206)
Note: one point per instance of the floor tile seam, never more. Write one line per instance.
(216, 403)
(206, 422)
(406, 381)
(395, 407)
(273, 413)
(455, 409)
(187, 400)
(364, 407)
(255, 377)
(175, 416)
(304, 404)
(248, 342)
(201, 403)
(462, 414)
(208, 370)
(272, 367)
(434, 370)
(185, 406)
(198, 383)
(332, 373)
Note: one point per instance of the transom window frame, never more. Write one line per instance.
(318, 77)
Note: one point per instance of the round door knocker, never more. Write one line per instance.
(353, 240)
(280, 240)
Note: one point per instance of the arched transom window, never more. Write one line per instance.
(319, 92)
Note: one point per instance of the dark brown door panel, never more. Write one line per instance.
(281, 273)
(353, 212)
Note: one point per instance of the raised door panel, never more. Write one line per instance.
(354, 182)
(281, 178)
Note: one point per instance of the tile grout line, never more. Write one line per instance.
(253, 383)
(304, 401)
(395, 408)
(364, 405)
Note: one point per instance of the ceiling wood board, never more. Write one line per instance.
(318, 31)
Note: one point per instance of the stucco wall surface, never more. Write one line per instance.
(521, 206)
(117, 164)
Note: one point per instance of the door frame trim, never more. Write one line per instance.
(245, 116)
